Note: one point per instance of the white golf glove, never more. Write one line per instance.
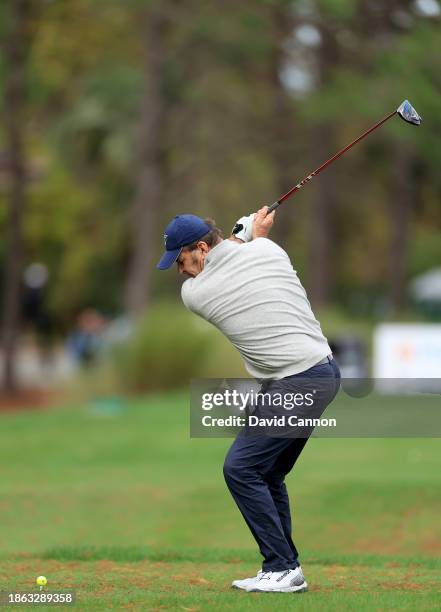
(246, 233)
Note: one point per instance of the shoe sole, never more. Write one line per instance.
(241, 588)
(303, 588)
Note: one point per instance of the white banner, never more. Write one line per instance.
(404, 350)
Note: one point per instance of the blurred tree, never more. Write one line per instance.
(143, 110)
(282, 131)
(87, 94)
(322, 242)
(378, 24)
(380, 56)
(402, 203)
(151, 173)
(18, 18)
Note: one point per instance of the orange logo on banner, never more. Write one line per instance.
(405, 352)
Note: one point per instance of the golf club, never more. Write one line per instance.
(406, 111)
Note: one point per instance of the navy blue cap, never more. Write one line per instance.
(180, 232)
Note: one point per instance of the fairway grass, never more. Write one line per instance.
(122, 506)
(106, 579)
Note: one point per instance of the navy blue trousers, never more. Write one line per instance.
(256, 465)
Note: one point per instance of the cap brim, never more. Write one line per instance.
(168, 259)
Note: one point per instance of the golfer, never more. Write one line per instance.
(246, 287)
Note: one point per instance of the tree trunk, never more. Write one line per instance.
(401, 201)
(16, 48)
(149, 197)
(324, 205)
(281, 130)
(322, 226)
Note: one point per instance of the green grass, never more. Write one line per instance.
(130, 512)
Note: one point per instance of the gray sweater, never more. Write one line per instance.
(252, 294)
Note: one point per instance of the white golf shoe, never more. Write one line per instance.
(288, 581)
(246, 582)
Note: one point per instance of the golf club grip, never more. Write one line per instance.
(273, 207)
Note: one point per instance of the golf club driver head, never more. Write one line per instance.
(407, 112)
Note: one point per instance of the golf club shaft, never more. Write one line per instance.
(326, 163)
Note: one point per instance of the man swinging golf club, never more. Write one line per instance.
(247, 287)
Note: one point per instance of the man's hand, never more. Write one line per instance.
(263, 222)
(256, 225)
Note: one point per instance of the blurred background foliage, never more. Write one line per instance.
(119, 115)
(171, 344)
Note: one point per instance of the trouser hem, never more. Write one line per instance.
(280, 568)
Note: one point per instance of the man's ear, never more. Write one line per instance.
(203, 246)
